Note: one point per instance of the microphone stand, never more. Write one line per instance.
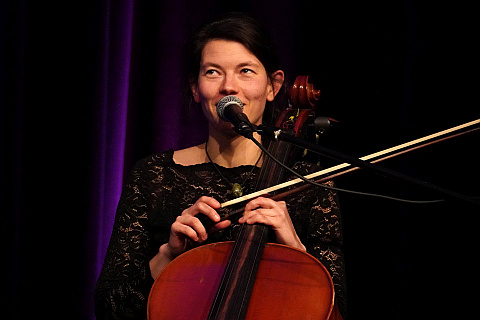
(279, 135)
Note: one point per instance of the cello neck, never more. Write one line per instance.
(233, 296)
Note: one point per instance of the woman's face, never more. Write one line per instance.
(228, 68)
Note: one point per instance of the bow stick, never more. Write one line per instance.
(385, 154)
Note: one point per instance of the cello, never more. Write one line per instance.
(250, 278)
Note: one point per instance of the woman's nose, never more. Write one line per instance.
(229, 85)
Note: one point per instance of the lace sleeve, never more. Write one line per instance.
(327, 241)
(317, 218)
(125, 281)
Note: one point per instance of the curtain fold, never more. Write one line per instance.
(111, 109)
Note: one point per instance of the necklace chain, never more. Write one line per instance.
(237, 189)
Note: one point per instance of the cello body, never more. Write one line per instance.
(290, 284)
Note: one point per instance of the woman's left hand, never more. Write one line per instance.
(274, 214)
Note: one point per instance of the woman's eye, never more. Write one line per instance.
(246, 70)
(211, 72)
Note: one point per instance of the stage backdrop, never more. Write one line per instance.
(90, 87)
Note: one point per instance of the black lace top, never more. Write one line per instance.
(158, 190)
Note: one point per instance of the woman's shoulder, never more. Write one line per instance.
(184, 157)
(151, 166)
(190, 156)
(162, 159)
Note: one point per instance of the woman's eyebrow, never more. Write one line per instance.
(248, 63)
(208, 64)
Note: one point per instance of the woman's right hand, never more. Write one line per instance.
(188, 229)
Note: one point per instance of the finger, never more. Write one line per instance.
(180, 230)
(261, 211)
(259, 202)
(208, 211)
(219, 226)
(265, 216)
(205, 205)
(256, 212)
(212, 202)
(195, 225)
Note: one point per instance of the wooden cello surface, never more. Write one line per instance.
(290, 284)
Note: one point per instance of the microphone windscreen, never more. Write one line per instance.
(225, 102)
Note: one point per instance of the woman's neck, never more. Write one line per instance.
(234, 151)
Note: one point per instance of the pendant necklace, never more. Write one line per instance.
(237, 188)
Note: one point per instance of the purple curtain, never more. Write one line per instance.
(88, 88)
(110, 126)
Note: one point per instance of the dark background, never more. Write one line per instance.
(389, 71)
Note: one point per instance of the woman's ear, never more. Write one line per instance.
(277, 79)
(194, 88)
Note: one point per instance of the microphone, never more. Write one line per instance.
(230, 108)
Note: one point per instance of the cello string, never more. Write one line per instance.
(346, 165)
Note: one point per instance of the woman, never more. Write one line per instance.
(157, 215)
